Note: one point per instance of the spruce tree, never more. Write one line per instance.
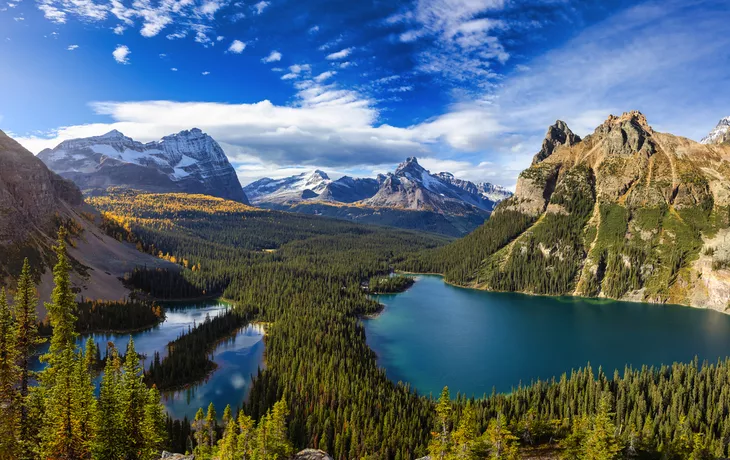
(440, 446)
(279, 445)
(466, 435)
(153, 426)
(9, 414)
(600, 442)
(211, 425)
(133, 398)
(201, 434)
(502, 443)
(246, 437)
(27, 341)
(228, 445)
(61, 434)
(86, 401)
(108, 444)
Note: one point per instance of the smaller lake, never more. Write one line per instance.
(435, 334)
(238, 357)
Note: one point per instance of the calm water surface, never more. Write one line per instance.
(237, 358)
(435, 334)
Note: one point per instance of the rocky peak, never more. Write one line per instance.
(410, 166)
(720, 134)
(627, 134)
(557, 135)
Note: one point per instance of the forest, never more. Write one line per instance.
(309, 291)
(389, 284)
(322, 385)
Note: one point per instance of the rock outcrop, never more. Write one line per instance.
(189, 161)
(34, 202)
(312, 454)
(648, 207)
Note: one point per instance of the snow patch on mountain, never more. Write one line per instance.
(720, 134)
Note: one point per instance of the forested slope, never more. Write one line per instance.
(626, 213)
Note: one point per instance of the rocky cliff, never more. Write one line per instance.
(627, 213)
(189, 161)
(34, 202)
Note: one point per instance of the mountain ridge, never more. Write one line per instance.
(189, 161)
(625, 213)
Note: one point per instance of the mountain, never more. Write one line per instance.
(350, 190)
(410, 198)
(189, 161)
(413, 187)
(288, 190)
(720, 134)
(626, 213)
(34, 202)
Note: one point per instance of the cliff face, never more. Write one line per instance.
(627, 213)
(34, 202)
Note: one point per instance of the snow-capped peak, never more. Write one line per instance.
(112, 134)
(720, 134)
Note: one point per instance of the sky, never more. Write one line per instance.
(356, 86)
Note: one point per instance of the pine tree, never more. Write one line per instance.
(228, 445)
(61, 435)
(27, 341)
(9, 414)
(211, 425)
(279, 445)
(201, 434)
(133, 399)
(246, 437)
(153, 426)
(502, 443)
(600, 442)
(108, 444)
(466, 435)
(440, 446)
(86, 401)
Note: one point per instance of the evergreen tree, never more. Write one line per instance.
(502, 443)
(279, 445)
(61, 433)
(133, 400)
(201, 435)
(109, 440)
(466, 435)
(153, 427)
(9, 397)
(228, 445)
(440, 446)
(86, 401)
(600, 442)
(27, 341)
(246, 437)
(211, 425)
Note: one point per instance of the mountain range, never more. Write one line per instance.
(626, 213)
(189, 161)
(411, 197)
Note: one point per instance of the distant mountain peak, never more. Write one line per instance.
(720, 134)
(189, 161)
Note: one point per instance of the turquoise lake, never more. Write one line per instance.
(435, 334)
(238, 357)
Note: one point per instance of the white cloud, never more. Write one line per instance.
(339, 54)
(314, 29)
(19, 18)
(274, 56)
(261, 6)
(119, 30)
(174, 69)
(289, 76)
(346, 64)
(324, 76)
(162, 55)
(205, 73)
(219, 38)
(121, 54)
(176, 35)
(296, 70)
(237, 47)
(72, 47)
(401, 89)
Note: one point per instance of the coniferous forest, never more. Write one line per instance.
(322, 387)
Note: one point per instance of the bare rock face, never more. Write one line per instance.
(557, 135)
(720, 134)
(312, 454)
(627, 135)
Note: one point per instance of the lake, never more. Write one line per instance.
(237, 357)
(435, 334)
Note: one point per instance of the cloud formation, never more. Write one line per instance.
(121, 54)
(237, 47)
(274, 56)
(339, 54)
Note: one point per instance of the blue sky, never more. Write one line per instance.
(354, 87)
